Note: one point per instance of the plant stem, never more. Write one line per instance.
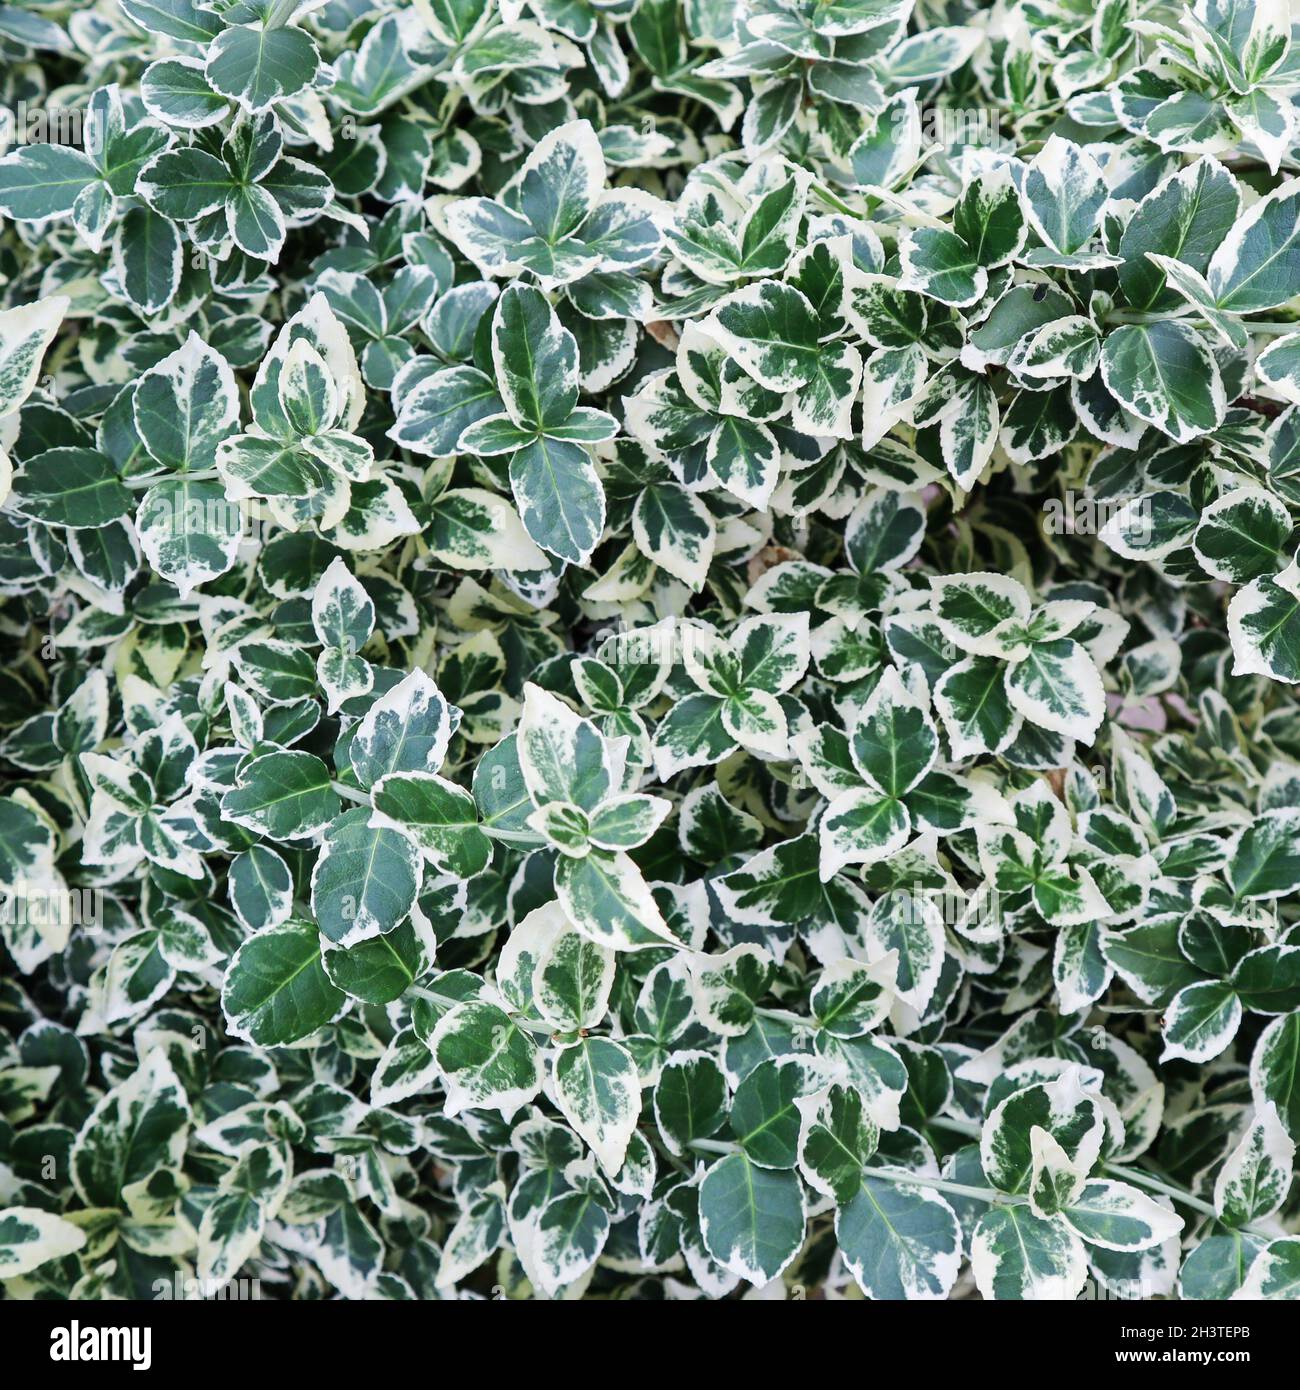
(1134, 316)
(661, 1151)
(786, 1017)
(831, 200)
(202, 475)
(351, 793)
(898, 1175)
(1139, 1177)
(971, 1131)
(713, 1146)
(538, 1030)
(631, 101)
(954, 1189)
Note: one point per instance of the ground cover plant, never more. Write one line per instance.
(649, 649)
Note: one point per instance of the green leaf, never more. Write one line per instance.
(259, 66)
(25, 334)
(434, 414)
(405, 730)
(676, 531)
(365, 879)
(608, 900)
(189, 531)
(1187, 217)
(836, 1139)
(559, 496)
(137, 1128)
(177, 19)
(850, 998)
(30, 1237)
(597, 1089)
(70, 487)
(1057, 687)
(726, 988)
(939, 264)
(276, 991)
(434, 817)
(1253, 265)
(261, 887)
(1241, 535)
(1201, 1021)
(690, 1100)
(1256, 1176)
(38, 182)
(971, 699)
(895, 744)
(561, 181)
(1274, 1273)
(1275, 1071)
(1017, 1255)
(185, 406)
(752, 1218)
(1071, 1118)
(1065, 193)
(899, 1241)
(765, 1112)
(571, 1233)
(286, 795)
(772, 331)
(486, 1061)
(1166, 375)
(381, 969)
(536, 360)
(1118, 1216)
(1264, 628)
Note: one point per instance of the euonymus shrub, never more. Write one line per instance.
(649, 649)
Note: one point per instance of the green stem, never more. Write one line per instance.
(713, 1146)
(971, 1131)
(790, 1019)
(202, 475)
(1133, 316)
(624, 102)
(954, 1189)
(661, 1151)
(351, 793)
(1139, 1177)
(831, 200)
(538, 1030)
(897, 1175)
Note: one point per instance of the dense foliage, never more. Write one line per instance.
(649, 649)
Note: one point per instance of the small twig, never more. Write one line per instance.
(202, 475)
